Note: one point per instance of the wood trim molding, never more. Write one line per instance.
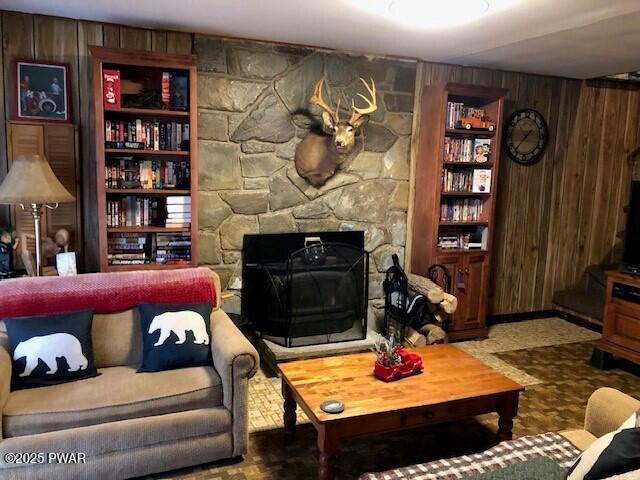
(417, 101)
(128, 56)
(521, 316)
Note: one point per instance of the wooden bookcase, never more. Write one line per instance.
(469, 267)
(148, 67)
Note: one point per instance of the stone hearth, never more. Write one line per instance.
(251, 100)
(272, 353)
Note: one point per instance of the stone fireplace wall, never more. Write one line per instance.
(252, 99)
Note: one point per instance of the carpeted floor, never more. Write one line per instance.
(556, 401)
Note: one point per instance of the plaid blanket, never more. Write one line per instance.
(550, 445)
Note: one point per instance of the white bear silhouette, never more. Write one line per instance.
(48, 348)
(179, 323)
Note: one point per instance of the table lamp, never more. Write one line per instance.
(31, 182)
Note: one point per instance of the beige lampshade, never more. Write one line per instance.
(31, 180)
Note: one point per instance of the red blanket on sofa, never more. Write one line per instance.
(104, 292)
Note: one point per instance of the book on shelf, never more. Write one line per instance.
(175, 243)
(142, 248)
(178, 222)
(133, 212)
(128, 238)
(461, 210)
(118, 145)
(453, 113)
(481, 181)
(178, 208)
(179, 200)
(452, 240)
(127, 256)
(458, 149)
(460, 180)
(462, 240)
(111, 88)
(178, 225)
(117, 261)
(466, 150)
(179, 215)
(140, 134)
(173, 248)
(178, 211)
(166, 87)
(173, 239)
(127, 172)
(481, 150)
(173, 260)
(127, 249)
(178, 94)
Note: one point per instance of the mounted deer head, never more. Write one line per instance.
(317, 156)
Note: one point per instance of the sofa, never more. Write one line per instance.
(606, 410)
(125, 424)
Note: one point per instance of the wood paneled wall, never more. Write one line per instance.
(557, 217)
(61, 40)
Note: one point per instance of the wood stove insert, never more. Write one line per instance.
(306, 289)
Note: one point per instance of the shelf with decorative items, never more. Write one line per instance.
(146, 150)
(453, 214)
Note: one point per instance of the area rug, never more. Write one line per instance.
(542, 332)
(265, 399)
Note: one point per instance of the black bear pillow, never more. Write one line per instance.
(175, 336)
(50, 349)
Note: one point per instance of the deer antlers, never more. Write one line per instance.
(316, 99)
(356, 113)
(372, 105)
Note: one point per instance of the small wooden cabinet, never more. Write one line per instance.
(621, 331)
(469, 276)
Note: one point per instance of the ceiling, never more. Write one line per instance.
(571, 38)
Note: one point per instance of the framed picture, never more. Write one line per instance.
(42, 91)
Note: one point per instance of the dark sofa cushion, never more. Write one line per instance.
(175, 336)
(50, 349)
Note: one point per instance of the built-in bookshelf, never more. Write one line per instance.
(146, 159)
(453, 214)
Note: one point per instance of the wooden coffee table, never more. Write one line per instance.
(454, 385)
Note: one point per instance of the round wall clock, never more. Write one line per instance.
(526, 136)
